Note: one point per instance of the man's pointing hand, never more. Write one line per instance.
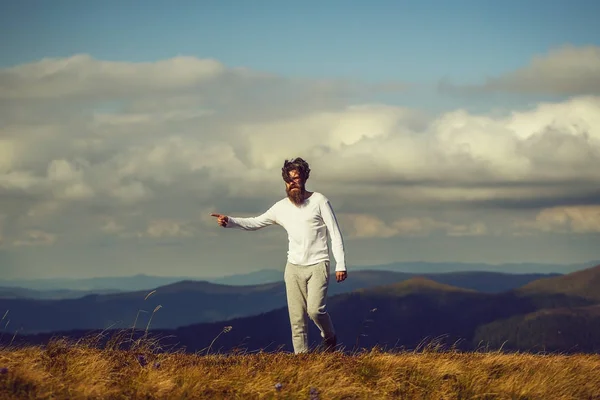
(221, 219)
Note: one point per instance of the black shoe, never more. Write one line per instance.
(329, 344)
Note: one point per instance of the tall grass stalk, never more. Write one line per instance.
(138, 315)
(158, 307)
(5, 326)
(225, 330)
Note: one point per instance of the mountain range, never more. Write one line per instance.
(51, 294)
(188, 302)
(558, 313)
(148, 282)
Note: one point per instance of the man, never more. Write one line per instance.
(309, 220)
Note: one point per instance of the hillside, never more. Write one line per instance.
(181, 303)
(484, 281)
(119, 283)
(567, 318)
(188, 302)
(584, 284)
(575, 329)
(400, 315)
(478, 273)
(423, 267)
(56, 294)
(392, 315)
(417, 284)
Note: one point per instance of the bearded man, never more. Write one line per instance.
(309, 220)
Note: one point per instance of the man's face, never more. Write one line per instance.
(294, 187)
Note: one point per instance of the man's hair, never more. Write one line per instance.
(297, 164)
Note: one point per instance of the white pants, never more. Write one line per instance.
(306, 290)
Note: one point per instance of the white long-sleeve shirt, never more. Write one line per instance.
(308, 226)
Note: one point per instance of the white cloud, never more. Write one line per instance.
(67, 181)
(326, 131)
(7, 154)
(81, 75)
(20, 180)
(41, 211)
(2, 222)
(167, 228)
(36, 237)
(366, 226)
(572, 219)
(173, 139)
(567, 70)
(369, 226)
(111, 225)
(131, 192)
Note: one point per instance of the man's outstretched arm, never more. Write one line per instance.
(247, 224)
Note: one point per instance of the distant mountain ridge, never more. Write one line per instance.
(148, 282)
(119, 283)
(188, 302)
(409, 313)
(54, 294)
(415, 284)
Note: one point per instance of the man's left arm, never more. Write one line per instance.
(337, 240)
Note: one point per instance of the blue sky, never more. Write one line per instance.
(418, 41)
(112, 168)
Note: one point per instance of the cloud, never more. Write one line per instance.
(167, 228)
(578, 219)
(134, 150)
(368, 226)
(67, 181)
(2, 219)
(83, 76)
(568, 70)
(35, 238)
(111, 225)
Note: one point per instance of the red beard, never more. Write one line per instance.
(296, 196)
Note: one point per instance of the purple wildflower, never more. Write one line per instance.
(278, 386)
(157, 365)
(314, 393)
(3, 371)
(142, 360)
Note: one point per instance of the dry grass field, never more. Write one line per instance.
(67, 370)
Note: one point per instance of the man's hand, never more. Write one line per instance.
(340, 275)
(221, 219)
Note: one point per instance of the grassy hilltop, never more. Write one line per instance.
(541, 342)
(78, 371)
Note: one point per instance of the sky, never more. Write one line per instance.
(465, 131)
